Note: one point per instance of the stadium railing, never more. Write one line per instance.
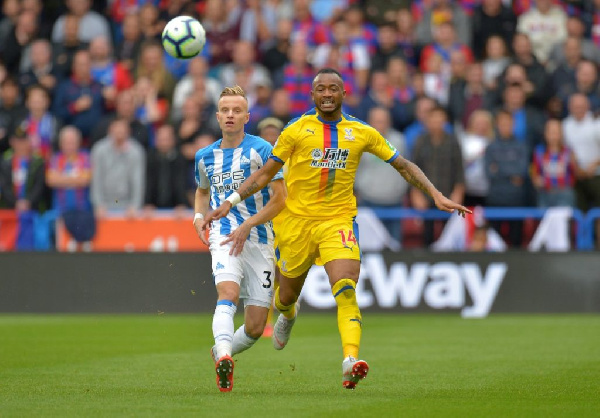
(584, 223)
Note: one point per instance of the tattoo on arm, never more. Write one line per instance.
(413, 175)
(250, 190)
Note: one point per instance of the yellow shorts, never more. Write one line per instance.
(300, 243)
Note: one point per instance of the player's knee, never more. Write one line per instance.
(287, 298)
(255, 328)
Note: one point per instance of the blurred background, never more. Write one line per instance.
(496, 100)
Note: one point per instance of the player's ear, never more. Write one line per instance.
(247, 118)
(344, 93)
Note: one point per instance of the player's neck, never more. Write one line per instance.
(232, 140)
(332, 117)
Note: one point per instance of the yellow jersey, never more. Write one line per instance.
(322, 158)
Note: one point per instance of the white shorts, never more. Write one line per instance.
(253, 269)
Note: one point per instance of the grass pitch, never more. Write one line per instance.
(430, 366)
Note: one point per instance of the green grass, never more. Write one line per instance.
(431, 366)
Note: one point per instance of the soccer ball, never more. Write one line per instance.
(183, 37)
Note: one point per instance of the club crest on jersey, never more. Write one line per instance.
(330, 158)
(348, 134)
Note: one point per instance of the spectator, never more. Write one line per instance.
(128, 48)
(261, 107)
(539, 92)
(443, 12)
(582, 135)
(360, 32)
(575, 29)
(506, 161)
(44, 21)
(151, 66)
(586, 82)
(495, 62)
(150, 109)
(528, 122)
(389, 193)
(387, 47)
(492, 19)
(352, 60)
(118, 172)
(297, 79)
(222, 30)
(23, 176)
(10, 15)
(78, 100)
(64, 51)
(423, 106)
(473, 144)
(15, 52)
(380, 11)
(438, 154)
(258, 24)
(198, 69)
(281, 106)
(42, 71)
(91, 24)
(467, 95)
(165, 173)
(444, 44)
(69, 175)
(244, 61)
(125, 108)
(554, 169)
(545, 26)
(381, 95)
(325, 11)
(113, 77)
(11, 110)
(276, 56)
(149, 24)
(197, 119)
(592, 22)
(403, 90)
(407, 38)
(269, 129)
(563, 75)
(40, 124)
(306, 28)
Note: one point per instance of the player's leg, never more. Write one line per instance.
(268, 331)
(252, 328)
(340, 253)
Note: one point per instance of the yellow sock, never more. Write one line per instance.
(349, 318)
(288, 311)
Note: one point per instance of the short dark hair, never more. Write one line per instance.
(503, 112)
(329, 70)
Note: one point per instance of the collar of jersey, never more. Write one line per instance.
(327, 122)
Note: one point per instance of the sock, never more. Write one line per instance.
(241, 341)
(223, 327)
(288, 311)
(349, 318)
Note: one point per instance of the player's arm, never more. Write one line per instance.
(201, 203)
(415, 176)
(269, 211)
(257, 181)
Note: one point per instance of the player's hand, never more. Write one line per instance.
(447, 205)
(200, 227)
(237, 239)
(218, 213)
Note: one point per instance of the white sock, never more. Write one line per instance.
(242, 341)
(223, 327)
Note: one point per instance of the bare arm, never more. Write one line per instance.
(201, 202)
(269, 211)
(413, 175)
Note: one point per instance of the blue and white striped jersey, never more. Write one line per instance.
(223, 170)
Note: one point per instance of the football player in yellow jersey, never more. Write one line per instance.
(322, 149)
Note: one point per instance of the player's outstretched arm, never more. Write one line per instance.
(415, 176)
(269, 211)
(254, 183)
(201, 203)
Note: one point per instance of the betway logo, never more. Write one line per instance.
(439, 285)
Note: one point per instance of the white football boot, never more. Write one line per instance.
(353, 372)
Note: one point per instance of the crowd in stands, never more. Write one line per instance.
(496, 100)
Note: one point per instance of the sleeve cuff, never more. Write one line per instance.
(279, 160)
(396, 154)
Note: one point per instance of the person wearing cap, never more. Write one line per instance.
(269, 129)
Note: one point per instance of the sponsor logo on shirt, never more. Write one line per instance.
(330, 158)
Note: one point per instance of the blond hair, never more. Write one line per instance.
(484, 114)
(233, 91)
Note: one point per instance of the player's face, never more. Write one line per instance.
(328, 94)
(232, 114)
